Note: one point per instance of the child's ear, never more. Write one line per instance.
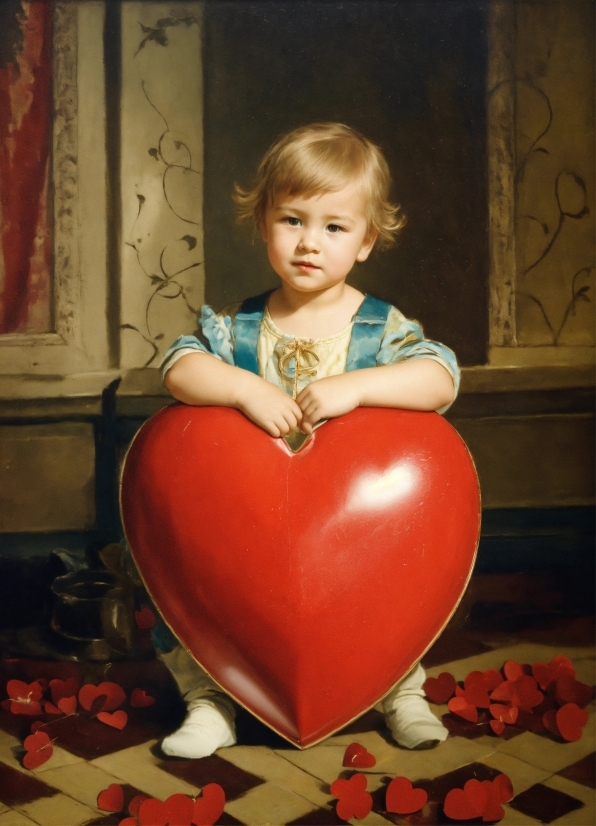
(367, 245)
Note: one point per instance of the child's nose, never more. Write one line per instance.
(308, 240)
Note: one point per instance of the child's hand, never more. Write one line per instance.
(327, 398)
(270, 408)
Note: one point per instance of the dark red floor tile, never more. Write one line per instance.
(545, 804)
(17, 788)
(458, 727)
(234, 781)
(584, 771)
(229, 820)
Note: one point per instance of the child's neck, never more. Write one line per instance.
(314, 315)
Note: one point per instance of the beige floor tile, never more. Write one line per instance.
(8, 745)
(549, 754)
(521, 774)
(3, 808)
(59, 758)
(269, 804)
(275, 769)
(139, 767)
(321, 761)
(59, 810)
(581, 817)
(450, 755)
(372, 742)
(82, 781)
(13, 818)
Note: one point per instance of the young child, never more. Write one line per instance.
(312, 349)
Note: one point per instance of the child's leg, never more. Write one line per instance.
(408, 716)
(209, 722)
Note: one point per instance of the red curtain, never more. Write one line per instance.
(25, 139)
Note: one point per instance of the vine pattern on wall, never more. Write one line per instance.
(178, 176)
(569, 194)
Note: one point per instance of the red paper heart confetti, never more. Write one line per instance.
(461, 707)
(63, 688)
(513, 671)
(357, 757)
(68, 705)
(129, 821)
(352, 798)
(111, 799)
(493, 811)
(208, 808)
(39, 749)
(570, 721)
(24, 698)
(135, 803)
(114, 696)
(140, 699)
(503, 784)
(145, 619)
(498, 726)
(526, 694)
(461, 804)
(559, 666)
(37, 725)
(476, 695)
(505, 692)
(506, 714)
(152, 812)
(50, 708)
(570, 690)
(440, 689)
(116, 720)
(402, 798)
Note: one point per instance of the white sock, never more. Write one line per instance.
(408, 715)
(206, 728)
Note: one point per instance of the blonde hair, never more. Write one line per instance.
(324, 157)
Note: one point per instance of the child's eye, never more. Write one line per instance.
(292, 220)
(334, 228)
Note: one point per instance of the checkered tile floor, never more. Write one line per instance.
(268, 782)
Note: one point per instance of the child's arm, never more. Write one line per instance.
(200, 379)
(415, 384)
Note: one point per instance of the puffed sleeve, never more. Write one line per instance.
(404, 339)
(213, 336)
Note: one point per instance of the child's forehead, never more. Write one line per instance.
(348, 198)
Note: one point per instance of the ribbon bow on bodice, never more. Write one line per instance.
(305, 361)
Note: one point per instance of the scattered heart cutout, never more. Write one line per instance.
(526, 694)
(111, 799)
(68, 705)
(118, 719)
(461, 707)
(36, 726)
(504, 692)
(152, 812)
(352, 798)
(50, 708)
(505, 714)
(129, 821)
(114, 696)
(63, 688)
(570, 690)
(458, 806)
(513, 671)
(476, 695)
(498, 726)
(357, 757)
(145, 619)
(440, 689)
(493, 811)
(24, 698)
(39, 749)
(570, 720)
(549, 721)
(503, 784)
(140, 699)
(402, 798)
(135, 803)
(209, 807)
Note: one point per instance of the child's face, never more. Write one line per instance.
(313, 242)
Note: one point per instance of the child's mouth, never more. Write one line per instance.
(305, 266)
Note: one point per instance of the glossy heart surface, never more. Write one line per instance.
(308, 583)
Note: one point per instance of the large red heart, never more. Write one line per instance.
(307, 584)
